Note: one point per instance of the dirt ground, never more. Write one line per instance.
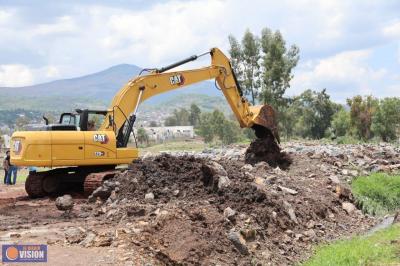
(200, 209)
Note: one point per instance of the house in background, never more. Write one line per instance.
(161, 134)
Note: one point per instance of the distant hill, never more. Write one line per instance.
(90, 91)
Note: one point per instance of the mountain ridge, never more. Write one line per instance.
(95, 90)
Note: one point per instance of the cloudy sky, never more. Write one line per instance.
(348, 48)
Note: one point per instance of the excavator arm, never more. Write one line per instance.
(125, 104)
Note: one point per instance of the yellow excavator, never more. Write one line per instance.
(76, 156)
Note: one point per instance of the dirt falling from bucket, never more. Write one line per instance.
(267, 150)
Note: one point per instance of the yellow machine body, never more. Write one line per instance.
(68, 148)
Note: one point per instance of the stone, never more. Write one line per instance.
(89, 240)
(354, 173)
(310, 234)
(229, 213)
(103, 240)
(248, 234)
(290, 211)
(175, 192)
(64, 203)
(214, 169)
(239, 242)
(223, 182)
(262, 166)
(74, 235)
(343, 191)
(149, 196)
(104, 191)
(135, 211)
(215, 175)
(334, 179)
(348, 207)
(247, 168)
(288, 190)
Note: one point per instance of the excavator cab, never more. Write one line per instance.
(77, 121)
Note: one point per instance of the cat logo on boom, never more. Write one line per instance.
(177, 79)
(102, 138)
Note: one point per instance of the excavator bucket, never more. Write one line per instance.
(265, 123)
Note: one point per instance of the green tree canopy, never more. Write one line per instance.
(386, 121)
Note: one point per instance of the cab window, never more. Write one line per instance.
(68, 119)
(95, 121)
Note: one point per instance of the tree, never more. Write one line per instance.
(277, 64)
(215, 124)
(178, 118)
(194, 117)
(170, 121)
(340, 124)
(314, 112)
(230, 132)
(362, 110)
(245, 59)
(206, 129)
(386, 120)
(142, 136)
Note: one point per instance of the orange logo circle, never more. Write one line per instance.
(12, 253)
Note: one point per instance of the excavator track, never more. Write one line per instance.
(33, 185)
(95, 180)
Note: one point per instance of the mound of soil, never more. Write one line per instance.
(193, 210)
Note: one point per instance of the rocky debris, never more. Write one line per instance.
(214, 175)
(104, 192)
(239, 242)
(260, 213)
(288, 190)
(229, 214)
(149, 196)
(75, 235)
(65, 203)
(348, 207)
(104, 239)
(343, 191)
(88, 240)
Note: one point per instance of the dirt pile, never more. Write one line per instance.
(189, 210)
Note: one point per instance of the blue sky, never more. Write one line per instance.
(348, 47)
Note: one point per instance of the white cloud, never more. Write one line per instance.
(15, 75)
(392, 30)
(5, 16)
(63, 24)
(337, 39)
(347, 73)
(52, 72)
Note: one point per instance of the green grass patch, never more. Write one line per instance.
(382, 248)
(378, 193)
